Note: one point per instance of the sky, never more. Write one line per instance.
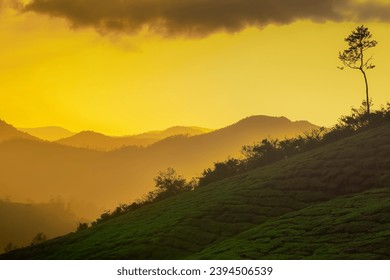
(122, 67)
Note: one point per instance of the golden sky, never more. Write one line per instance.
(124, 70)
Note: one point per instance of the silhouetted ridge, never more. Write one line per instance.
(8, 132)
(173, 131)
(99, 141)
(270, 123)
(49, 133)
(86, 134)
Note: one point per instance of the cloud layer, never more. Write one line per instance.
(203, 17)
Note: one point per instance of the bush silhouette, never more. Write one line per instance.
(39, 238)
(82, 226)
(169, 183)
(10, 247)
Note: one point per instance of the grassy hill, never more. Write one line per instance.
(330, 203)
(349, 227)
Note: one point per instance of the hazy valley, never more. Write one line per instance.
(90, 180)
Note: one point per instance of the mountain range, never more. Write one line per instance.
(331, 202)
(98, 141)
(38, 170)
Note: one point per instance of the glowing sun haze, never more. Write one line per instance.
(123, 67)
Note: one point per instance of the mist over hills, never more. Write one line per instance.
(38, 170)
(20, 222)
(98, 141)
(331, 202)
(172, 131)
(49, 133)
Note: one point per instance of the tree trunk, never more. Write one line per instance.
(367, 98)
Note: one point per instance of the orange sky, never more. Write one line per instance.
(114, 82)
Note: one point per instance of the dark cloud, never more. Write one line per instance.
(371, 10)
(202, 17)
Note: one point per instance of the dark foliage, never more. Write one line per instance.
(10, 247)
(82, 226)
(271, 150)
(221, 170)
(169, 183)
(39, 238)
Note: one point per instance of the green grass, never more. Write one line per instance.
(351, 227)
(328, 203)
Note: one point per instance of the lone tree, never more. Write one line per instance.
(359, 41)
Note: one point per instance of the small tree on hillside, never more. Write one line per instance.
(39, 238)
(10, 247)
(82, 226)
(169, 183)
(359, 41)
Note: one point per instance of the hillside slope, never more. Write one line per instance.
(350, 227)
(278, 211)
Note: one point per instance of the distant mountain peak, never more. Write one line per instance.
(271, 124)
(89, 133)
(264, 118)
